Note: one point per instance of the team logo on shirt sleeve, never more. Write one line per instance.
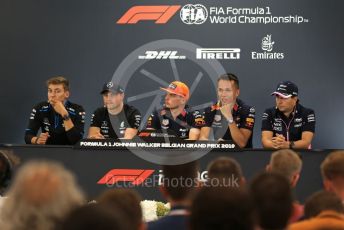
(311, 118)
(138, 120)
(33, 114)
(92, 117)
(252, 112)
(265, 116)
(249, 122)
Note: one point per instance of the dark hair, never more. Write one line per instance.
(221, 208)
(180, 180)
(229, 77)
(6, 169)
(223, 168)
(57, 81)
(273, 201)
(321, 201)
(126, 200)
(95, 216)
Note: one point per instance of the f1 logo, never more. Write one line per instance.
(160, 14)
(135, 176)
(144, 134)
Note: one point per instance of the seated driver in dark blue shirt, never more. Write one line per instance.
(61, 122)
(288, 124)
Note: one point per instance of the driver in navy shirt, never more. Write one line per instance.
(288, 124)
(230, 118)
(61, 122)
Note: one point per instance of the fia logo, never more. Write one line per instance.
(194, 14)
(267, 43)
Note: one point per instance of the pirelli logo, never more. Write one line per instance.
(135, 176)
(218, 53)
(159, 14)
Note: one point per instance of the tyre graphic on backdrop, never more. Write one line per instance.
(155, 65)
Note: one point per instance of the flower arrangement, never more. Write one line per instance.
(153, 210)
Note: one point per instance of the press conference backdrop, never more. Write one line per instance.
(90, 42)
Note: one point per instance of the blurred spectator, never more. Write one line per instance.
(179, 182)
(272, 198)
(41, 195)
(7, 162)
(96, 217)
(332, 169)
(221, 208)
(289, 164)
(323, 210)
(227, 171)
(321, 201)
(126, 200)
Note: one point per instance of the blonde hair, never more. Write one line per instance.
(41, 195)
(286, 162)
(333, 165)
